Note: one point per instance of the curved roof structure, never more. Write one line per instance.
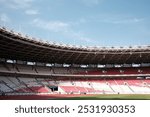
(16, 46)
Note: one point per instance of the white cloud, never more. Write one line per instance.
(79, 36)
(123, 21)
(16, 4)
(91, 2)
(55, 26)
(32, 12)
(115, 19)
(62, 28)
(4, 18)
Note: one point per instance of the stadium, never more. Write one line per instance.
(34, 69)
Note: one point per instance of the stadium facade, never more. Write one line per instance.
(29, 66)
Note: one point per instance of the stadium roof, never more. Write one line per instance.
(16, 46)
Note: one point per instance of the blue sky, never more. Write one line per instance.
(80, 22)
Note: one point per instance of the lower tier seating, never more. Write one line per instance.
(107, 86)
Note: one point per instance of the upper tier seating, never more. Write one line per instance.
(44, 70)
(33, 69)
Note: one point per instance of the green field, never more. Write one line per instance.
(111, 97)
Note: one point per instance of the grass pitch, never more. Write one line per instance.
(110, 97)
(79, 97)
